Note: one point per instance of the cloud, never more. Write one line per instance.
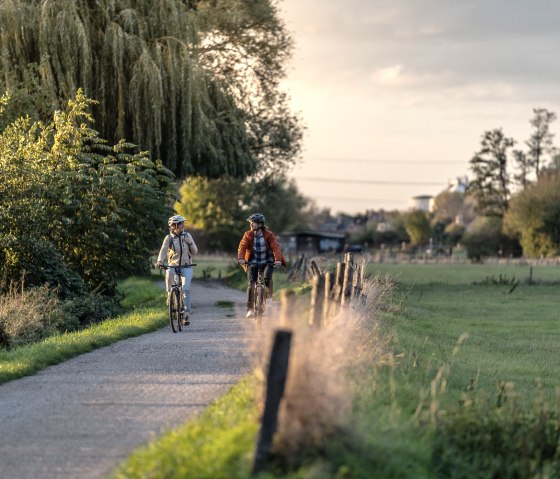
(448, 42)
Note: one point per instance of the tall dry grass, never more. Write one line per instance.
(28, 315)
(320, 390)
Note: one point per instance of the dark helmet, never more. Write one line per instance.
(257, 218)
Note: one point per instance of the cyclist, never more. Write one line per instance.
(179, 247)
(260, 247)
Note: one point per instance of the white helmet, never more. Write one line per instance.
(175, 219)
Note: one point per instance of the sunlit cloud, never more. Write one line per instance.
(388, 75)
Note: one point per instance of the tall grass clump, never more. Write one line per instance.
(32, 314)
(324, 362)
(482, 440)
(28, 316)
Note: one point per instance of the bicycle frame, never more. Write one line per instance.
(259, 296)
(176, 306)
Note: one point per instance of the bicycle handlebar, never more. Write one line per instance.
(166, 266)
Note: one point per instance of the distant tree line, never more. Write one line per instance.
(511, 207)
(517, 191)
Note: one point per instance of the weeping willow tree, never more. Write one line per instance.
(196, 82)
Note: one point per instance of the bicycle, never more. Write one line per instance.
(261, 290)
(176, 305)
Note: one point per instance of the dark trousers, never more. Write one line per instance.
(252, 275)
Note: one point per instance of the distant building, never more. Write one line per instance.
(458, 184)
(312, 242)
(421, 202)
(384, 227)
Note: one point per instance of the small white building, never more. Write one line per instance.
(421, 202)
(458, 184)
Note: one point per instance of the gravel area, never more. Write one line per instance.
(81, 418)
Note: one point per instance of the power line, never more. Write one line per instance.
(353, 198)
(380, 160)
(369, 182)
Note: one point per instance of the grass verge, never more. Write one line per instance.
(217, 444)
(478, 407)
(144, 316)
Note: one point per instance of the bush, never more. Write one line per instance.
(484, 238)
(74, 210)
(534, 215)
(36, 313)
(480, 443)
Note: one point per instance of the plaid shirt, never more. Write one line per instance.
(260, 253)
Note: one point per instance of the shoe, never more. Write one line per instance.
(186, 321)
(250, 313)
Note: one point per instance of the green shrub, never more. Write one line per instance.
(501, 442)
(88, 207)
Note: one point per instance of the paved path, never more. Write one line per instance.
(81, 418)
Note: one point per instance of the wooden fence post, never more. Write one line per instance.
(287, 302)
(358, 281)
(292, 275)
(276, 380)
(337, 289)
(327, 299)
(314, 268)
(317, 297)
(348, 278)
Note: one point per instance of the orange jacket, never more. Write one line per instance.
(245, 249)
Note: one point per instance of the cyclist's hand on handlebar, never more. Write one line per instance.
(277, 264)
(159, 264)
(241, 261)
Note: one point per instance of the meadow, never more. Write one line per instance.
(469, 388)
(508, 334)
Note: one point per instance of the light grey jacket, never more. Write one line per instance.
(178, 249)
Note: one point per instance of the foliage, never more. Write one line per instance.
(214, 209)
(33, 314)
(451, 205)
(478, 442)
(491, 185)
(453, 233)
(540, 141)
(534, 215)
(73, 205)
(218, 208)
(484, 238)
(417, 226)
(207, 71)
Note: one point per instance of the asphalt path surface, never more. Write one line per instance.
(81, 418)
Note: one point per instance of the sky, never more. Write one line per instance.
(395, 95)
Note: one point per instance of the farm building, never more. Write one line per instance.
(312, 242)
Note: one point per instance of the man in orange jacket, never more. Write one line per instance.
(258, 250)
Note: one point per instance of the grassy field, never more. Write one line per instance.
(472, 391)
(462, 274)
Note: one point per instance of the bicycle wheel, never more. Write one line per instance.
(175, 310)
(259, 300)
(181, 309)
